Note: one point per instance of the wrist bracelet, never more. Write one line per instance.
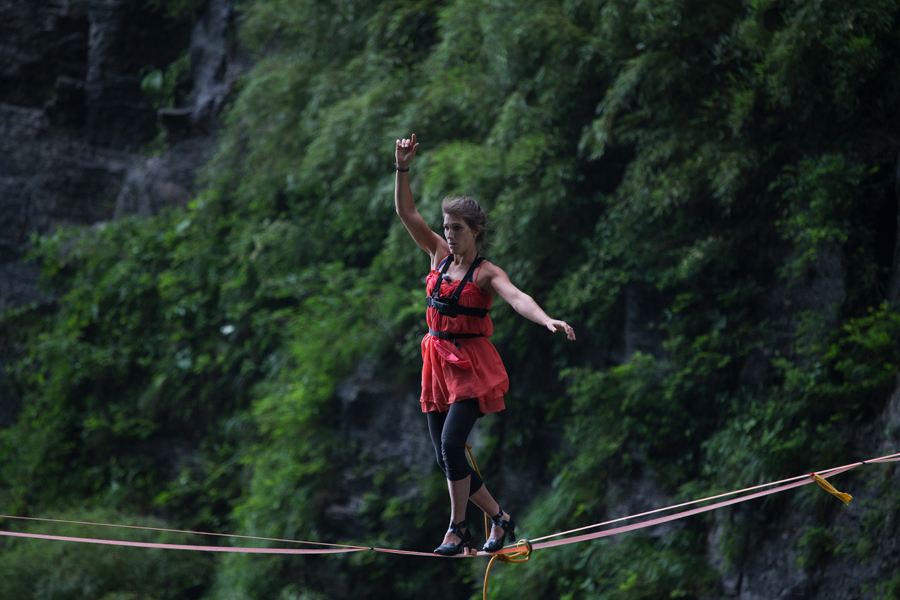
(401, 170)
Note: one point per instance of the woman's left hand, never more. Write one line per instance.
(554, 326)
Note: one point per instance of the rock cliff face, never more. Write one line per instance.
(73, 119)
(793, 555)
(73, 122)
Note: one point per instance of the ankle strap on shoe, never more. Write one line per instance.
(498, 520)
(456, 528)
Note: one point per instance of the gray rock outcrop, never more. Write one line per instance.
(73, 119)
(74, 123)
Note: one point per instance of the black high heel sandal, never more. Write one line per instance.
(451, 549)
(509, 532)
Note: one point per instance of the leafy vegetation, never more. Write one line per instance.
(706, 191)
(49, 570)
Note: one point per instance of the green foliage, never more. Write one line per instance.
(632, 568)
(889, 590)
(816, 545)
(49, 570)
(820, 197)
(165, 86)
(673, 177)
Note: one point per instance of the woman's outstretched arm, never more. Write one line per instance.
(427, 239)
(494, 278)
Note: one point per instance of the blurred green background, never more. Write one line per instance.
(705, 191)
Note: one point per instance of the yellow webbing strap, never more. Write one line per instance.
(830, 488)
(487, 528)
(516, 557)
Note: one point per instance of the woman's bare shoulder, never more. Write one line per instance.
(490, 270)
(488, 275)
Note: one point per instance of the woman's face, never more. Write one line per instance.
(460, 237)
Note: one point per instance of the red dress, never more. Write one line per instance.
(472, 371)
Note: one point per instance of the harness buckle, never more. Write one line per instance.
(448, 309)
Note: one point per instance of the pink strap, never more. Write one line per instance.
(825, 473)
(62, 538)
(791, 483)
(666, 519)
(231, 535)
(428, 554)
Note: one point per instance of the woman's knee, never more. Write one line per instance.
(440, 462)
(452, 446)
(455, 464)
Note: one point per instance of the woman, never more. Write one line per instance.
(463, 377)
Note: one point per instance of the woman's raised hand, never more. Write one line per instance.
(406, 150)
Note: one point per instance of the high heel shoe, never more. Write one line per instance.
(451, 549)
(509, 532)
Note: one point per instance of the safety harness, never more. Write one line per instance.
(449, 305)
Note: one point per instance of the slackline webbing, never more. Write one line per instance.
(823, 474)
(61, 538)
(229, 535)
(521, 549)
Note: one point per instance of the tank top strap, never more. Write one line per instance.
(441, 262)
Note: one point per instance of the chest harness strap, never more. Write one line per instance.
(449, 305)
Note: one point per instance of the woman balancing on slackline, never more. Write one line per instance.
(463, 377)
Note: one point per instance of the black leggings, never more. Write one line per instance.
(449, 431)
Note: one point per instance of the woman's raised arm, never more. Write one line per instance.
(427, 239)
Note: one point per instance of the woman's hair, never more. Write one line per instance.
(470, 212)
